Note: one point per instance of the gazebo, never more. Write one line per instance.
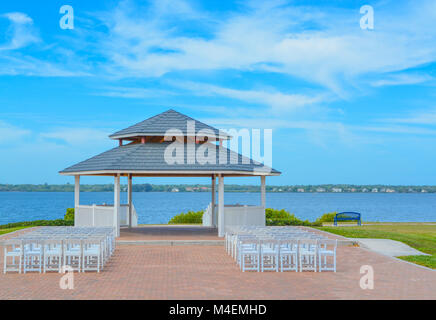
(169, 144)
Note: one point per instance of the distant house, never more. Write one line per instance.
(374, 190)
(364, 190)
(174, 190)
(353, 190)
(320, 190)
(336, 190)
(300, 190)
(423, 191)
(390, 190)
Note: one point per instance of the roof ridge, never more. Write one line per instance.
(164, 121)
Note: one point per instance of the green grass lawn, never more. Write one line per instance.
(419, 236)
(3, 231)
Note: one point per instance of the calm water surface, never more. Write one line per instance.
(159, 207)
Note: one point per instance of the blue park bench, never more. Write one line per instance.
(348, 216)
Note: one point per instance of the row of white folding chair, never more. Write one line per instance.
(231, 239)
(72, 232)
(51, 255)
(108, 242)
(286, 254)
(307, 254)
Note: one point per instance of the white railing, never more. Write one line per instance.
(207, 216)
(124, 216)
(243, 215)
(237, 215)
(102, 216)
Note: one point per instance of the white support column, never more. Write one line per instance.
(76, 197)
(221, 225)
(117, 205)
(262, 191)
(129, 198)
(213, 201)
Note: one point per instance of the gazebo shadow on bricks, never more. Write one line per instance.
(169, 144)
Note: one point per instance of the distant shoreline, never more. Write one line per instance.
(325, 188)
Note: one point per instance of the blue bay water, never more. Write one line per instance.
(159, 207)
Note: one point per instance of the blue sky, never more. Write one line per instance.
(346, 105)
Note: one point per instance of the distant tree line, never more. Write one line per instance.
(344, 188)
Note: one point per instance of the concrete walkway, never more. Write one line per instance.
(388, 247)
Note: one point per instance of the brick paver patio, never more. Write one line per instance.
(207, 272)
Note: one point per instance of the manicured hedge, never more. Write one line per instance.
(282, 217)
(191, 217)
(38, 223)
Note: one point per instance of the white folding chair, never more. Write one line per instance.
(32, 255)
(92, 254)
(52, 255)
(307, 251)
(269, 255)
(248, 254)
(326, 249)
(12, 255)
(72, 250)
(289, 255)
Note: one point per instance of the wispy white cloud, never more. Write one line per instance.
(11, 134)
(402, 79)
(421, 117)
(17, 64)
(20, 32)
(275, 99)
(132, 92)
(270, 36)
(45, 60)
(74, 136)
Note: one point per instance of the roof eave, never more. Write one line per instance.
(171, 172)
(142, 134)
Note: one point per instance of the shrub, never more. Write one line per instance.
(191, 217)
(283, 218)
(69, 215)
(327, 217)
(38, 223)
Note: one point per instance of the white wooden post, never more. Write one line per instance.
(129, 198)
(76, 197)
(262, 191)
(93, 215)
(213, 201)
(221, 225)
(117, 208)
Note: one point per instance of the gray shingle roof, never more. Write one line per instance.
(159, 124)
(149, 157)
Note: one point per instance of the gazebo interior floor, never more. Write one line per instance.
(169, 232)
